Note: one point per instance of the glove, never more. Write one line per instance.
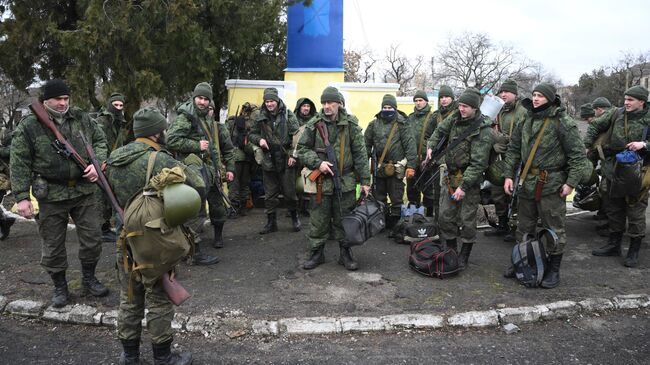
(410, 173)
(500, 148)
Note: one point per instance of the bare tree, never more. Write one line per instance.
(472, 59)
(400, 69)
(11, 99)
(358, 65)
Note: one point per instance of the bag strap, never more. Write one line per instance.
(393, 128)
(424, 129)
(538, 260)
(215, 141)
(464, 135)
(342, 136)
(150, 163)
(531, 155)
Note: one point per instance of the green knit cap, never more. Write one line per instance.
(271, 93)
(446, 91)
(509, 85)
(148, 122)
(389, 100)
(420, 94)
(471, 97)
(601, 102)
(638, 92)
(203, 89)
(116, 97)
(546, 89)
(586, 111)
(331, 94)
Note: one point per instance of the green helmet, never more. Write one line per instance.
(181, 202)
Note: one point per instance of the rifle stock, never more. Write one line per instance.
(428, 165)
(331, 158)
(515, 190)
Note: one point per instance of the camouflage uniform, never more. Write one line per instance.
(5, 182)
(303, 199)
(422, 126)
(402, 146)
(239, 127)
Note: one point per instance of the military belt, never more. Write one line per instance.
(537, 171)
(69, 183)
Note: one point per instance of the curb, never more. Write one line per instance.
(235, 324)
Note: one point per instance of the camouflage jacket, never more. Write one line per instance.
(600, 125)
(32, 154)
(560, 152)
(311, 150)
(402, 146)
(183, 138)
(470, 157)
(443, 112)
(509, 116)
(422, 125)
(282, 126)
(239, 129)
(126, 169)
(118, 132)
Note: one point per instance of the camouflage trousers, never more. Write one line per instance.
(239, 189)
(53, 225)
(326, 216)
(501, 200)
(103, 206)
(216, 208)
(551, 209)
(619, 210)
(393, 188)
(431, 196)
(280, 182)
(129, 319)
(458, 219)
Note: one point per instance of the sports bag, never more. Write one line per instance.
(413, 228)
(365, 220)
(627, 175)
(433, 259)
(529, 257)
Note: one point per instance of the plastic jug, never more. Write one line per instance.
(491, 106)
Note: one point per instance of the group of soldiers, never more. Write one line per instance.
(532, 149)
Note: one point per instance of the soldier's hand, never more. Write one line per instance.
(508, 186)
(203, 145)
(291, 162)
(410, 173)
(90, 174)
(635, 146)
(325, 168)
(25, 208)
(565, 190)
(429, 153)
(263, 144)
(500, 148)
(230, 176)
(458, 195)
(365, 190)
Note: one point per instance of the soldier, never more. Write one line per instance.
(126, 172)
(118, 132)
(510, 115)
(5, 182)
(239, 189)
(186, 137)
(394, 147)
(587, 112)
(62, 189)
(601, 105)
(548, 144)
(628, 130)
(273, 130)
(305, 110)
(466, 161)
(351, 158)
(422, 126)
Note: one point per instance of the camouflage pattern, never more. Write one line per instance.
(551, 210)
(5, 153)
(421, 121)
(239, 188)
(311, 152)
(458, 219)
(32, 154)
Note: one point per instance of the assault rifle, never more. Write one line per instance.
(428, 164)
(515, 190)
(64, 148)
(331, 158)
(374, 170)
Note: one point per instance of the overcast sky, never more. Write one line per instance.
(568, 37)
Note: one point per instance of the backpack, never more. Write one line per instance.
(433, 259)
(415, 227)
(364, 221)
(529, 257)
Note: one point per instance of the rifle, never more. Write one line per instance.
(427, 165)
(515, 190)
(331, 158)
(64, 148)
(374, 169)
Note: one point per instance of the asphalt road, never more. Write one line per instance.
(617, 338)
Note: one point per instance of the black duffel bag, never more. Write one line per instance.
(627, 175)
(364, 221)
(433, 259)
(415, 227)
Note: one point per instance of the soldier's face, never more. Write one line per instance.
(201, 102)
(118, 105)
(305, 109)
(445, 100)
(271, 105)
(60, 103)
(631, 104)
(466, 111)
(539, 99)
(330, 108)
(420, 103)
(507, 96)
(599, 111)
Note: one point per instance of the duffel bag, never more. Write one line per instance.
(433, 259)
(415, 227)
(364, 221)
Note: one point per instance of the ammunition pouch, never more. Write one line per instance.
(389, 169)
(40, 188)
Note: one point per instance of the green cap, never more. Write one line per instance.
(420, 94)
(471, 97)
(203, 89)
(546, 89)
(601, 102)
(148, 122)
(445, 91)
(331, 94)
(389, 100)
(271, 93)
(638, 92)
(586, 111)
(116, 97)
(509, 85)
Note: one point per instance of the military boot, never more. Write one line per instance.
(552, 275)
(346, 259)
(295, 221)
(203, 259)
(304, 207)
(163, 355)
(5, 226)
(108, 235)
(130, 352)
(632, 259)
(61, 295)
(452, 244)
(89, 282)
(271, 224)
(217, 241)
(613, 246)
(317, 257)
(502, 228)
(242, 208)
(463, 257)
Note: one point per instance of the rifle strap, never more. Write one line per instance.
(393, 128)
(215, 130)
(424, 129)
(341, 150)
(531, 155)
(149, 143)
(464, 135)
